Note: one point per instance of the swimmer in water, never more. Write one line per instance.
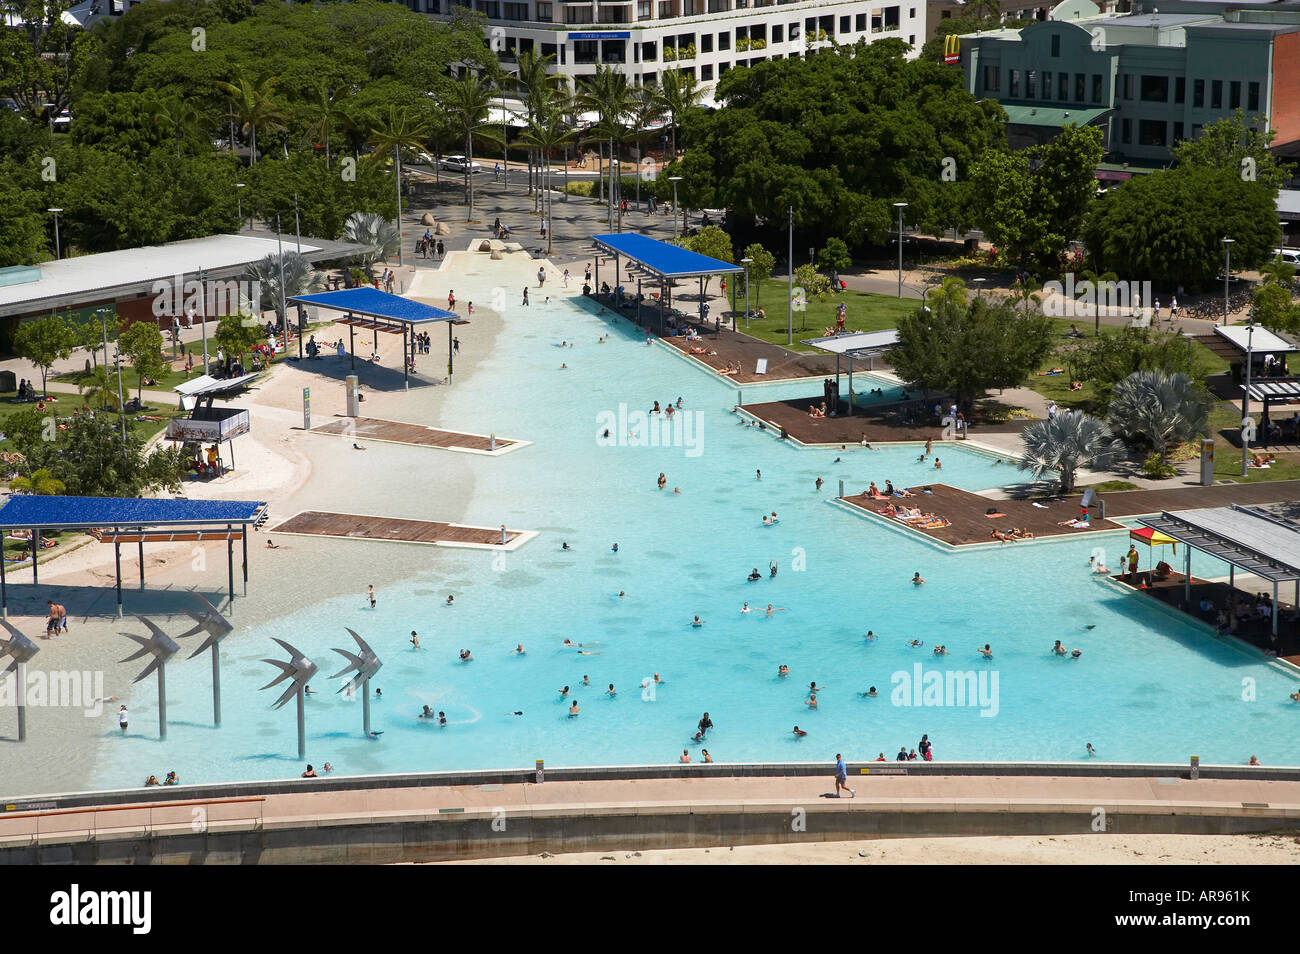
(519, 649)
(707, 756)
(586, 680)
(986, 652)
(622, 594)
(415, 640)
(773, 609)
(677, 491)
(451, 600)
(565, 545)
(870, 693)
(614, 548)
(427, 713)
(697, 622)
(941, 650)
(870, 636)
(573, 709)
(658, 681)
(783, 670)
(772, 568)
(564, 692)
(811, 702)
(1076, 653)
(937, 464)
(685, 757)
(442, 719)
(745, 608)
(799, 733)
(915, 643)
(916, 578)
(1058, 649)
(1091, 750)
(610, 690)
(755, 575)
(813, 688)
(819, 483)
(465, 655)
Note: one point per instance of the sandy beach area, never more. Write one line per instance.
(292, 470)
(1098, 849)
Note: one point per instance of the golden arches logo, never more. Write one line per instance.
(951, 48)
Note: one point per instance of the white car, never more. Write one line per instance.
(1289, 255)
(460, 164)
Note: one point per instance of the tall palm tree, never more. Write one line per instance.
(395, 129)
(299, 279)
(681, 95)
(1159, 408)
(647, 105)
(41, 482)
(548, 132)
(470, 104)
(533, 82)
(1065, 443)
(325, 110)
(1024, 291)
(254, 105)
(100, 387)
(608, 94)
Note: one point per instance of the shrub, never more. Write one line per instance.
(1158, 468)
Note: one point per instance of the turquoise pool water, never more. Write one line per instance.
(1148, 687)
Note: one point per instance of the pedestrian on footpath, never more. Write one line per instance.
(842, 777)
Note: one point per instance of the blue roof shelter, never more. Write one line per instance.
(373, 310)
(119, 520)
(663, 260)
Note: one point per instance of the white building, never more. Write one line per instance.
(703, 38)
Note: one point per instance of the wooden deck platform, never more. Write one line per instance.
(968, 522)
(352, 526)
(399, 432)
(877, 423)
(729, 346)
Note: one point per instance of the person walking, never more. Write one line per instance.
(842, 777)
(122, 718)
(451, 300)
(525, 296)
(541, 276)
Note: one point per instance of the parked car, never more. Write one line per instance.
(460, 164)
(1289, 255)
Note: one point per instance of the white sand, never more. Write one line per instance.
(1099, 849)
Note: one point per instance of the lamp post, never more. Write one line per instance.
(674, 180)
(58, 248)
(1227, 272)
(789, 303)
(203, 316)
(745, 262)
(239, 206)
(1245, 398)
(121, 408)
(505, 141)
(297, 225)
(900, 206)
(979, 287)
(284, 308)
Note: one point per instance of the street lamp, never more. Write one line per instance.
(979, 287)
(505, 140)
(239, 209)
(58, 250)
(900, 206)
(746, 262)
(203, 317)
(1227, 271)
(674, 180)
(297, 225)
(1245, 398)
(121, 406)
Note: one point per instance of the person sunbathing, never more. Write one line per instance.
(1003, 536)
(905, 493)
(1020, 533)
(889, 510)
(873, 490)
(1076, 385)
(1048, 374)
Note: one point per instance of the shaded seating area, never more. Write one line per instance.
(1248, 539)
(371, 310)
(119, 520)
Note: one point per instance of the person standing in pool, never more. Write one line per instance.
(370, 592)
(705, 725)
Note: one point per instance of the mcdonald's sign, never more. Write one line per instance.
(951, 49)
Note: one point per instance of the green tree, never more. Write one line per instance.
(1239, 147)
(254, 105)
(100, 387)
(834, 256)
(966, 348)
(608, 95)
(547, 132)
(39, 54)
(1168, 227)
(235, 335)
(90, 457)
(470, 104)
(42, 341)
(142, 343)
(41, 482)
(1105, 361)
(760, 269)
(1273, 308)
(23, 238)
(713, 242)
(1065, 443)
(680, 96)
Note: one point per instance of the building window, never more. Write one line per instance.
(1234, 94)
(544, 12)
(1252, 97)
(1151, 132)
(1216, 94)
(706, 43)
(1180, 89)
(649, 52)
(1056, 45)
(1198, 93)
(1096, 87)
(1126, 130)
(1155, 89)
(991, 77)
(876, 22)
(724, 41)
(706, 71)
(1063, 87)
(860, 23)
(1196, 130)
(1047, 84)
(1080, 87)
(1128, 86)
(1031, 82)
(911, 39)
(778, 33)
(1013, 84)
(891, 18)
(844, 24)
(1178, 133)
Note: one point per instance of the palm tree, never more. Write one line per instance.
(548, 132)
(179, 115)
(534, 83)
(951, 291)
(375, 233)
(1023, 290)
(41, 482)
(470, 104)
(681, 96)
(1091, 277)
(1065, 443)
(254, 106)
(647, 105)
(608, 95)
(299, 279)
(99, 386)
(398, 128)
(324, 111)
(1278, 272)
(1159, 408)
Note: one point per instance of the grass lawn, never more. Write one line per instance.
(65, 404)
(866, 312)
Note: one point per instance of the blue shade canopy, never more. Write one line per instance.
(373, 303)
(663, 258)
(28, 510)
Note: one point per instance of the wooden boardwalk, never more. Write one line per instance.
(399, 432)
(879, 423)
(351, 526)
(969, 522)
(731, 346)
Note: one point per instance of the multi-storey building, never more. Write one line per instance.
(701, 38)
(1149, 79)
